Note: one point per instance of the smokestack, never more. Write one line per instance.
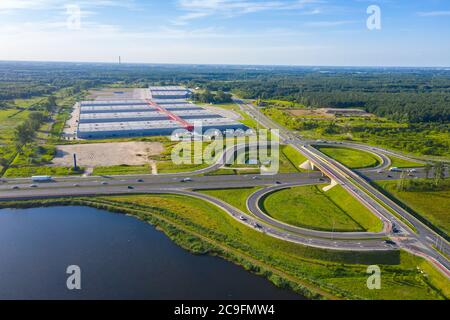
(75, 168)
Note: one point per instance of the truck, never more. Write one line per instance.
(41, 178)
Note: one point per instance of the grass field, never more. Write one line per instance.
(294, 157)
(351, 158)
(121, 170)
(46, 136)
(311, 207)
(203, 228)
(9, 119)
(432, 205)
(402, 163)
(236, 197)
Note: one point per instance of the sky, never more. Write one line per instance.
(269, 32)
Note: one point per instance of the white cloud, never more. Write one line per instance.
(21, 5)
(324, 24)
(196, 9)
(434, 13)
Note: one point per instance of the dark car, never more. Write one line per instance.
(140, 180)
(130, 187)
(390, 242)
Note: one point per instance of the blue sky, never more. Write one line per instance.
(279, 32)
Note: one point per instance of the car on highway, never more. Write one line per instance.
(187, 180)
(242, 218)
(390, 242)
(256, 178)
(140, 180)
(104, 183)
(380, 171)
(76, 185)
(41, 178)
(278, 182)
(257, 226)
(33, 186)
(130, 187)
(15, 188)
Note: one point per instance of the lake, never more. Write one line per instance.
(120, 257)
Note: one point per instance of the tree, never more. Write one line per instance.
(36, 119)
(402, 184)
(222, 97)
(439, 173)
(207, 96)
(427, 170)
(48, 104)
(24, 134)
(3, 162)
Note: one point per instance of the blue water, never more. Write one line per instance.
(120, 258)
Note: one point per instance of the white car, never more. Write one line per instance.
(186, 180)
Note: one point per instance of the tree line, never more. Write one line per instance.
(207, 96)
(26, 132)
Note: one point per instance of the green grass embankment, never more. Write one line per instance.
(311, 207)
(204, 229)
(351, 158)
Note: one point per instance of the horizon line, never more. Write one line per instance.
(227, 64)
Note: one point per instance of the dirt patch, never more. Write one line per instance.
(328, 113)
(108, 154)
(310, 113)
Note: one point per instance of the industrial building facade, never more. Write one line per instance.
(166, 111)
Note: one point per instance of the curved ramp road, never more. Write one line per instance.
(248, 220)
(253, 205)
(385, 162)
(420, 244)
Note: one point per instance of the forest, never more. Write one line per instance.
(411, 95)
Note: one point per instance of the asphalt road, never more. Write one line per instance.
(253, 204)
(420, 243)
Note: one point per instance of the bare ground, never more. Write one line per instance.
(107, 154)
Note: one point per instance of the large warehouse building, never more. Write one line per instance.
(166, 111)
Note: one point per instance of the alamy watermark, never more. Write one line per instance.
(227, 148)
(374, 280)
(73, 13)
(74, 280)
(374, 19)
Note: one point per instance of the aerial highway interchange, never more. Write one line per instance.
(397, 221)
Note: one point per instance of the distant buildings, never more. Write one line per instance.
(167, 110)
